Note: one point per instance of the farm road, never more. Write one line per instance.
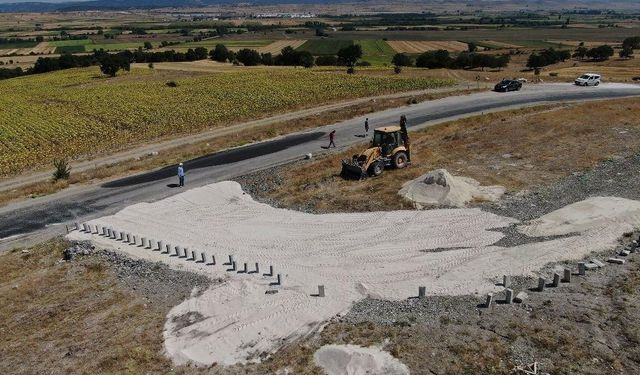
(34, 220)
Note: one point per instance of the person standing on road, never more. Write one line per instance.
(181, 175)
(332, 137)
(366, 126)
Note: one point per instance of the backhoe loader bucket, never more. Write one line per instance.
(352, 170)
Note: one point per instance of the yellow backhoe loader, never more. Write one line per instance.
(388, 149)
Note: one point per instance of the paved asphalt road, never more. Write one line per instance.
(34, 220)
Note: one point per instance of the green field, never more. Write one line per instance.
(320, 47)
(69, 43)
(75, 112)
(70, 49)
(112, 46)
(376, 51)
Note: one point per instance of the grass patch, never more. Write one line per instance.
(70, 49)
(20, 44)
(376, 51)
(69, 43)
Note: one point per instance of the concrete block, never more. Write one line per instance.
(78, 227)
(143, 241)
(104, 231)
(279, 279)
(567, 275)
(542, 282)
(193, 255)
(213, 260)
(128, 237)
(520, 297)
(257, 268)
(113, 234)
(123, 236)
(422, 291)
(96, 230)
(487, 303)
(556, 280)
(177, 249)
(625, 253)
(590, 266)
(233, 266)
(616, 261)
(597, 263)
(506, 281)
(508, 298)
(134, 240)
(581, 268)
(108, 232)
(160, 245)
(168, 248)
(320, 290)
(85, 227)
(204, 257)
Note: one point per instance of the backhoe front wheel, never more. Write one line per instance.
(376, 169)
(400, 160)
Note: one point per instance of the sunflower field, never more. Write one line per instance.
(77, 113)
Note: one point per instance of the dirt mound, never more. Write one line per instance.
(356, 360)
(440, 188)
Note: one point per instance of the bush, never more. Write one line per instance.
(172, 84)
(62, 171)
(397, 69)
(626, 53)
(351, 70)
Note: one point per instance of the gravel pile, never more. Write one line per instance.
(616, 178)
(415, 310)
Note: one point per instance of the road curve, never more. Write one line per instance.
(30, 221)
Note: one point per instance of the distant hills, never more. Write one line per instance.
(132, 4)
(64, 5)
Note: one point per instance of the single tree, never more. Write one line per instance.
(220, 53)
(400, 59)
(248, 57)
(111, 64)
(632, 42)
(472, 47)
(62, 170)
(148, 45)
(350, 55)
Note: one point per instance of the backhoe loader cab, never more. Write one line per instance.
(387, 150)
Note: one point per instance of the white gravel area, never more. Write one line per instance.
(356, 360)
(384, 255)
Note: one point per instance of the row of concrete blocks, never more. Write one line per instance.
(542, 282)
(181, 252)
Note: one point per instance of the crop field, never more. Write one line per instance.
(230, 44)
(278, 45)
(376, 51)
(78, 112)
(419, 46)
(320, 47)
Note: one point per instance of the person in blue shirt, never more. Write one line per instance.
(181, 174)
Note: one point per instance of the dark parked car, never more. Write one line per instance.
(508, 85)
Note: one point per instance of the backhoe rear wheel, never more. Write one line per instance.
(376, 169)
(400, 160)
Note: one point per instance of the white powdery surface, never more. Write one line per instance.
(379, 254)
(356, 360)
